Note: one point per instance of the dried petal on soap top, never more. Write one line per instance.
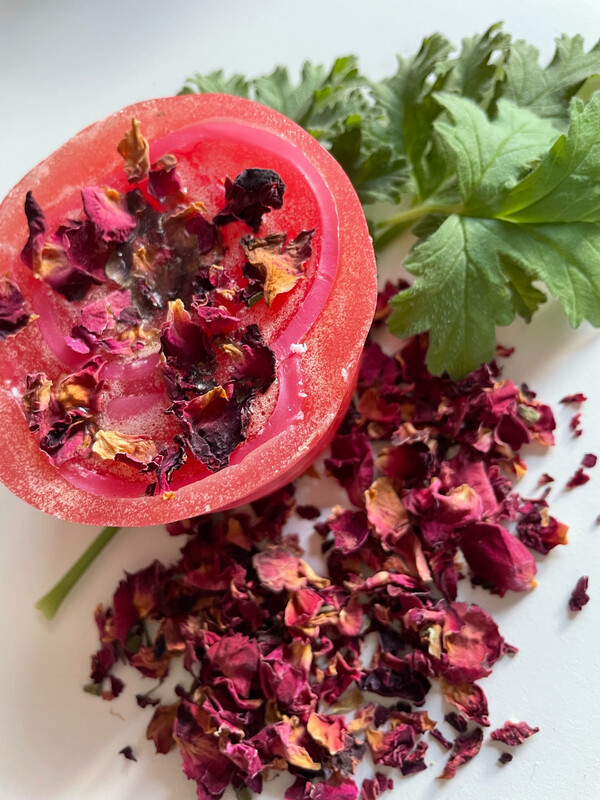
(214, 424)
(164, 183)
(112, 445)
(49, 259)
(13, 314)
(134, 148)
(106, 208)
(251, 195)
(276, 267)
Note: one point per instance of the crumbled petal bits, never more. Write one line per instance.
(127, 752)
(578, 478)
(276, 650)
(168, 286)
(577, 397)
(513, 733)
(505, 758)
(579, 596)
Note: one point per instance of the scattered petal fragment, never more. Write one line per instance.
(579, 596)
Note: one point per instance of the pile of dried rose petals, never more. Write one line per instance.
(277, 653)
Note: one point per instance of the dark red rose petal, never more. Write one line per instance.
(579, 596)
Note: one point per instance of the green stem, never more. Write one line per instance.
(50, 602)
(418, 211)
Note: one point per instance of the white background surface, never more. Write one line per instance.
(64, 64)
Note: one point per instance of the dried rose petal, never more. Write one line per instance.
(441, 739)
(329, 731)
(577, 397)
(350, 529)
(386, 513)
(579, 596)
(352, 463)
(276, 267)
(589, 460)
(578, 478)
(136, 152)
(513, 733)
(107, 210)
(253, 193)
(498, 557)
(537, 529)
(160, 729)
(163, 181)
(469, 698)
(464, 749)
(13, 315)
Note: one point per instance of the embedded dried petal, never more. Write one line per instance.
(513, 733)
(472, 643)
(253, 193)
(164, 182)
(136, 152)
(13, 315)
(214, 426)
(185, 345)
(498, 557)
(111, 444)
(81, 390)
(201, 759)
(36, 221)
(164, 464)
(277, 266)
(36, 399)
(254, 370)
(106, 208)
(215, 320)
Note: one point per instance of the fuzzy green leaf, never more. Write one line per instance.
(490, 156)
(217, 83)
(565, 187)
(459, 295)
(546, 91)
